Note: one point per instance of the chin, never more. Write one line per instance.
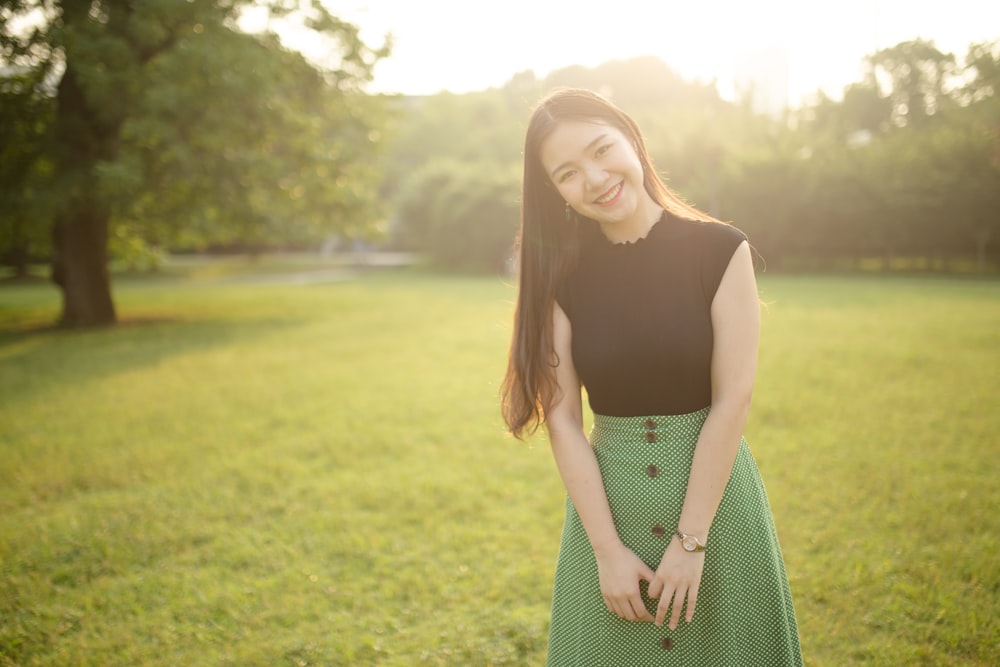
(615, 218)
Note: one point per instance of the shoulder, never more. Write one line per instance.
(709, 246)
(709, 234)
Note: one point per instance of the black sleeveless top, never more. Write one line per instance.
(640, 314)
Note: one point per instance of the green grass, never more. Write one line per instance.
(277, 474)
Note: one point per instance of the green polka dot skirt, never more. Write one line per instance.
(744, 616)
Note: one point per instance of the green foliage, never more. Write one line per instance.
(24, 170)
(252, 473)
(130, 250)
(162, 122)
(464, 216)
(983, 62)
(456, 159)
(454, 175)
(912, 76)
(299, 166)
(227, 138)
(483, 127)
(903, 170)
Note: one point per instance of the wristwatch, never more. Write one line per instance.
(690, 542)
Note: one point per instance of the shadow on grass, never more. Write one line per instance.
(19, 333)
(36, 358)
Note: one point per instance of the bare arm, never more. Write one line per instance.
(620, 569)
(736, 331)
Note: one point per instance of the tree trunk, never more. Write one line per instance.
(982, 240)
(19, 255)
(80, 268)
(80, 228)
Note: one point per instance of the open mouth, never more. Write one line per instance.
(609, 196)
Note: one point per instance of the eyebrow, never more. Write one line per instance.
(586, 148)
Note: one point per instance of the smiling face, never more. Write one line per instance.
(597, 171)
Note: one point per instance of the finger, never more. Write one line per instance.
(635, 610)
(663, 606)
(641, 613)
(675, 612)
(692, 599)
(655, 588)
(646, 574)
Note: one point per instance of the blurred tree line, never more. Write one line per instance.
(903, 172)
(129, 129)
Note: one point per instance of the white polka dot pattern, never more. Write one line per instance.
(744, 616)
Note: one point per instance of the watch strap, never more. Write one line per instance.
(688, 539)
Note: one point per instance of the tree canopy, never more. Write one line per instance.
(164, 122)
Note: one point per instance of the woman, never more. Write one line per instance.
(669, 554)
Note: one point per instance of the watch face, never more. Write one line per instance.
(689, 543)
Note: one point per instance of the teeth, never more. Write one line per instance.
(611, 195)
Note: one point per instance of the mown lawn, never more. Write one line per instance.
(268, 473)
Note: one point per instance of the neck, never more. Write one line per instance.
(637, 227)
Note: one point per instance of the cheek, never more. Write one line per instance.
(568, 192)
(636, 163)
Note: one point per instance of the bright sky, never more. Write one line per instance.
(798, 45)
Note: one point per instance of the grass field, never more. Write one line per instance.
(262, 473)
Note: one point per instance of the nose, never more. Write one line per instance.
(596, 176)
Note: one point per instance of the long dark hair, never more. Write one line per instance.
(548, 245)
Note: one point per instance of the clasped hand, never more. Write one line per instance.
(676, 579)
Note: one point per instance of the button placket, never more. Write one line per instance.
(653, 470)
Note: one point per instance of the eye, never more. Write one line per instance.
(603, 149)
(565, 176)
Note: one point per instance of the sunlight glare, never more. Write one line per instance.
(789, 49)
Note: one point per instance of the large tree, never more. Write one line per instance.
(915, 77)
(168, 121)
